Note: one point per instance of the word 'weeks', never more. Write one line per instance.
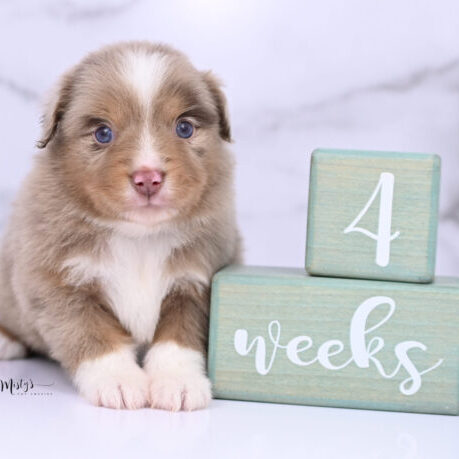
(363, 350)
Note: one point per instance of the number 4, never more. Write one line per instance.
(383, 238)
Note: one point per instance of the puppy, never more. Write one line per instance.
(118, 229)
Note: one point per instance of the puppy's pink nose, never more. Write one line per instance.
(147, 181)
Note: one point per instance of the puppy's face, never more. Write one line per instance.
(137, 133)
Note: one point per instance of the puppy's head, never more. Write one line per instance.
(136, 133)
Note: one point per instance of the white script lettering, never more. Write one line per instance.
(384, 237)
(363, 352)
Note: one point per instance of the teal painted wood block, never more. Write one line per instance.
(279, 335)
(373, 215)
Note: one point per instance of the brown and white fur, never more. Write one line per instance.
(91, 269)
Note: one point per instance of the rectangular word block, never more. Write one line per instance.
(373, 215)
(279, 335)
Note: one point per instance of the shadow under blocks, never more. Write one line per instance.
(366, 324)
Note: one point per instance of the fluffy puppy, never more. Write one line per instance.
(118, 229)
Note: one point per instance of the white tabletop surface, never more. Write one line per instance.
(63, 425)
(298, 75)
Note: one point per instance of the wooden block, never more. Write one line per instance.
(279, 335)
(373, 215)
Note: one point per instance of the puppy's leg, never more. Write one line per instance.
(89, 341)
(176, 361)
(10, 346)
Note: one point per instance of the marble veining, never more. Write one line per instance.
(298, 76)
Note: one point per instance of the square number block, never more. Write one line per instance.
(279, 335)
(373, 215)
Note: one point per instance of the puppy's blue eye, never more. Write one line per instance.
(103, 134)
(184, 129)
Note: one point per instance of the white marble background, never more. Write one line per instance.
(299, 75)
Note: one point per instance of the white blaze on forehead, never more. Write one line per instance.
(145, 72)
(147, 156)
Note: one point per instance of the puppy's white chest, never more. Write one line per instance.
(134, 280)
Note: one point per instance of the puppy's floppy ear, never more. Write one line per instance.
(55, 108)
(214, 86)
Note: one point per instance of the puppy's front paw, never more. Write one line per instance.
(121, 391)
(176, 392)
(177, 378)
(113, 381)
